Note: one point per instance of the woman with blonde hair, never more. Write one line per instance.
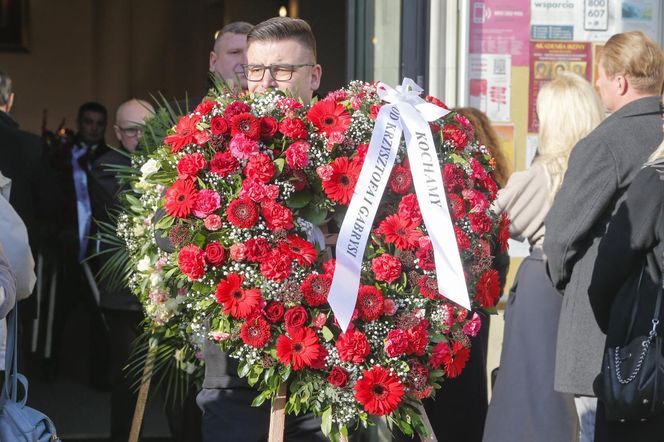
(626, 280)
(524, 405)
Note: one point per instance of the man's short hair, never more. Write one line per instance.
(637, 57)
(5, 88)
(236, 27)
(284, 28)
(92, 106)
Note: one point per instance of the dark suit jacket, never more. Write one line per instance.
(601, 167)
(33, 195)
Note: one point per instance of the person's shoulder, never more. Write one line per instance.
(111, 156)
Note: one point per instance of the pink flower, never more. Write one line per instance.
(319, 320)
(396, 343)
(325, 172)
(207, 202)
(238, 252)
(389, 307)
(473, 326)
(243, 147)
(219, 336)
(297, 155)
(213, 222)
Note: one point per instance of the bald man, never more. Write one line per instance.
(120, 308)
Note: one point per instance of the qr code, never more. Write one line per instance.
(499, 67)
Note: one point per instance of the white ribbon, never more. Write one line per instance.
(406, 112)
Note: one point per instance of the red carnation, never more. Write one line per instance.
(379, 391)
(487, 289)
(185, 133)
(180, 198)
(255, 332)
(401, 232)
(215, 254)
(276, 266)
(396, 343)
(456, 135)
(191, 262)
(207, 201)
(257, 249)
(277, 216)
(300, 348)
(353, 346)
(224, 164)
(480, 222)
(428, 287)
(242, 147)
(425, 254)
(369, 303)
(453, 177)
(504, 232)
(400, 180)
(300, 249)
(418, 338)
(409, 209)
(454, 359)
(462, 239)
(274, 311)
(341, 184)
(236, 107)
(436, 101)
(238, 302)
(295, 318)
(297, 155)
(373, 112)
(190, 165)
(205, 107)
(293, 128)
(491, 187)
(338, 377)
(315, 288)
(260, 168)
(242, 212)
(247, 124)
(219, 126)
(329, 117)
(386, 268)
(268, 128)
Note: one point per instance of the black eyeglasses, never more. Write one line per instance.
(279, 72)
(131, 131)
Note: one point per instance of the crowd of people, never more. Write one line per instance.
(590, 206)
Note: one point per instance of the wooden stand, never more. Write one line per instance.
(278, 414)
(137, 421)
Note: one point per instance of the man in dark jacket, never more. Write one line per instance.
(121, 309)
(601, 167)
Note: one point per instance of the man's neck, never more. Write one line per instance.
(631, 98)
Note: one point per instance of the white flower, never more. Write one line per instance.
(144, 264)
(155, 279)
(150, 167)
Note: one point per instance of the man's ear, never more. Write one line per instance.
(213, 60)
(118, 132)
(316, 73)
(10, 102)
(622, 84)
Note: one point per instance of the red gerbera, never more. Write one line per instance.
(242, 212)
(255, 332)
(181, 198)
(300, 348)
(487, 289)
(329, 117)
(454, 359)
(238, 302)
(185, 133)
(457, 205)
(315, 288)
(341, 184)
(247, 124)
(428, 287)
(300, 249)
(370, 303)
(353, 346)
(400, 180)
(379, 391)
(462, 239)
(402, 232)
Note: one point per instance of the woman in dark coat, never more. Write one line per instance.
(634, 237)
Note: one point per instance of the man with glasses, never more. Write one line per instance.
(121, 309)
(281, 55)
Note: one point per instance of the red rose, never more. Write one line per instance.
(277, 216)
(293, 128)
(260, 168)
(297, 155)
(191, 262)
(295, 318)
(190, 165)
(236, 107)
(218, 126)
(276, 266)
(257, 249)
(268, 128)
(353, 346)
(373, 112)
(319, 321)
(215, 254)
(207, 201)
(457, 136)
(386, 268)
(396, 343)
(274, 311)
(224, 163)
(338, 377)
